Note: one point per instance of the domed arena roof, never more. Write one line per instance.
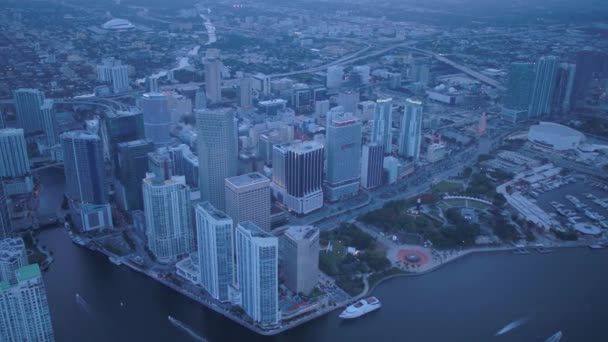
(118, 24)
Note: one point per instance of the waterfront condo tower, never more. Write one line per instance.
(167, 211)
(24, 309)
(14, 161)
(300, 258)
(215, 238)
(257, 257)
(84, 167)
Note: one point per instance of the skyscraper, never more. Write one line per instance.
(24, 309)
(217, 152)
(544, 85)
(213, 79)
(246, 92)
(132, 165)
(5, 220)
(519, 92)
(215, 250)
(300, 258)
(49, 122)
(13, 153)
(13, 256)
(157, 118)
(383, 123)
(591, 68)
(297, 174)
(120, 78)
(564, 86)
(257, 273)
(167, 210)
(343, 148)
(84, 167)
(121, 126)
(248, 199)
(372, 171)
(161, 164)
(27, 105)
(410, 132)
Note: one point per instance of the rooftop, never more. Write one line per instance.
(28, 272)
(213, 212)
(301, 232)
(81, 135)
(254, 230)
(247, 179)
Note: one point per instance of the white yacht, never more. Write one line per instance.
(361, 307)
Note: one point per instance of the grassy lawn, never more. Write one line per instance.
(446, 186)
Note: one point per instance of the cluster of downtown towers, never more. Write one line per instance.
(227, 224)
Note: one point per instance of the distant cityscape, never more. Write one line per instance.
(274, 164)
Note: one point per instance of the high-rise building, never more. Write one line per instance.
(591, 69)
(213, 79)
(366, 110)
(121, 126)
(300, 258)
(120, 78)
(185, 163)
(257, 255)
(132, 165)
(5, 219)
(27, 105)
(335, 75)
(157, 118)
(84, 167)
(167, 210)
(49, 122)
(200, 99)
(24, 309)
(349, 100)
(151, 85)
(297, 174)
(13, 256)
(13, 153)
(383, 123)
(343, 151)
(246, 93)
(419, 73)
(215, 250)
(410, 132)
(160, 164)
(519, 91)
(248, 199)
(217, 153)
(544, 86)
(372, 159)
(564, 85)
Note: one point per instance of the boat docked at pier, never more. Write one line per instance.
(361, 308)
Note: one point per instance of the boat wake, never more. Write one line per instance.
(83, 304)
(187, 329)
(513, 325)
